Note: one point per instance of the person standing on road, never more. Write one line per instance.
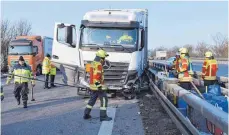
(183, 70)
(46, 68)
(2, 93)
(97, 87)
(209, 70)
(52, 75)
(21, 83)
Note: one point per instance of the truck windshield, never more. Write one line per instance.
(109, 37)
(20, 50)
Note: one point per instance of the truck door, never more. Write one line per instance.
(65, 54)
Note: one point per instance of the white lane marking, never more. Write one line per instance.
(107, 126)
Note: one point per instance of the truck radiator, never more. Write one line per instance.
(116, 75)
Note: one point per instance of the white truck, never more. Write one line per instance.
(161, 55)
(127, 61)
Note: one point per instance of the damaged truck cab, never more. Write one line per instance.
(122, 33)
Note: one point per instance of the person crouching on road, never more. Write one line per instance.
(21, 83)
(209, 70)
(97, 87)
(52, 75)
(46, 68)
(183, 70)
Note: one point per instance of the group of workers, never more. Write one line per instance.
(183, 66)
(22, 74)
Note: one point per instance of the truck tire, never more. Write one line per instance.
(39, 70)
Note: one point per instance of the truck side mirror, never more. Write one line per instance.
(142, 40)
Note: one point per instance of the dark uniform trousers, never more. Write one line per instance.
(103, 100)
(52, 78)
(21, 90)
(46, 80)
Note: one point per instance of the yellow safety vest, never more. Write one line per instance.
(46, 66)
(21, 74)
(53, 70)
(125, 38)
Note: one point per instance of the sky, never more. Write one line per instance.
(170, 23)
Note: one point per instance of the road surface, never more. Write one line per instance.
(59, 111)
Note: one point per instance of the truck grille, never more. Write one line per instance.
(116, 75)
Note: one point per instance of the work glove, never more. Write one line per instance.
(100, 88)
(202, 77)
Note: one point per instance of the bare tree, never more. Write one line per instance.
(220, 47)
(201, 48)
(10, 31)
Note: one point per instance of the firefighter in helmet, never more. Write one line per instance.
(184, 68)
(97, 87)
(209, 70)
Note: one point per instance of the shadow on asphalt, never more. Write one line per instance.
(50, 102)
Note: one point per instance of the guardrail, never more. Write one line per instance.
(216, 116)
(161, 65)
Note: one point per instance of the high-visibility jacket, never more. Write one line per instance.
(209, 69)
(183, 70)
(125, 38)
(46, 65)
(21, 74)
(96, 76)
(53, 70)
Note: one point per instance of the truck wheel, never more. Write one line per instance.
(38, 70)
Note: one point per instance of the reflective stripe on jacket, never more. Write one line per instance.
(46, 65)
(183, 70)
(19, 70)
(209, 69)
(96, 76)
(53, 70)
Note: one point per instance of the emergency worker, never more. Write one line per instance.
(21, 83)
(125, 38)
(2, 93)
(97, 87)
(46, 68)
(52, 75)
(183, 70)
(209, 70)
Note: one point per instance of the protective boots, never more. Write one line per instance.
(87, 113)
(24, 104)
(103, 116)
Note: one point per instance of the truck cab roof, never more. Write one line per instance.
(115, 16)
(29, 37)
